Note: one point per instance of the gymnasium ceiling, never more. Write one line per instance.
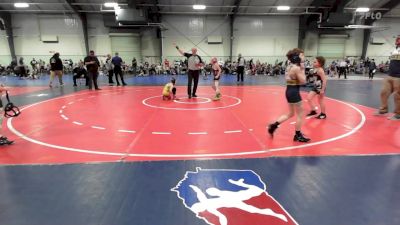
(214, 7)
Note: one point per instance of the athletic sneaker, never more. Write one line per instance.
(5, 141)
(300, 138)
(272, 128)
(217, 97)
(312, 113)
(321, 116)
(380, 112)
(194, 96)
(394, 117)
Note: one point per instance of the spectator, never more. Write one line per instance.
(3, 139)
(372, 69)
(342, 69)
(92, 64)
(56, 69)
(134, 66)
(117, 62)
(110, 69)
(80, 72)
(166, 66)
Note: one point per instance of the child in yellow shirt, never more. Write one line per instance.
(169, 90)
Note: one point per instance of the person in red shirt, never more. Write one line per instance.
(166, 65)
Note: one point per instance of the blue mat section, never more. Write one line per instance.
(314, 190)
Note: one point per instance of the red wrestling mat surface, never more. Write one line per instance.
(133, 123)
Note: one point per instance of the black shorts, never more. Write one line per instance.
(293, 94)
(215, 78)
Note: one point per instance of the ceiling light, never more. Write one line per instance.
(199, 7)
(362, 9)
(110, 4)
(283, 8)
(21, 5)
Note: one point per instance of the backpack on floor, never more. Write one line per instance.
(10, 110)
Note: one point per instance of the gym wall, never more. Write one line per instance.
(150, 46)
(263, 38)
(254, 37)
(29, 28)
(193, 31)
(389, 32)
(99, 39)
(5, 56)
(333, 48)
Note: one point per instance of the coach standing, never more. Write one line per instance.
(194, 65)
(391, 84)
(92, 65)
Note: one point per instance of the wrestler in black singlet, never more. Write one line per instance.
(318, 83)
(292, 89)
(215, 75)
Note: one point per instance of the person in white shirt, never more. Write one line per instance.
(240, 68)
(110, 69)
(195, 63)
(342, 69)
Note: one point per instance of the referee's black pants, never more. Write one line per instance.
(240, 73)
(193, 76)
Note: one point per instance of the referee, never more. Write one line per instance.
(240, 68)
(194, 65)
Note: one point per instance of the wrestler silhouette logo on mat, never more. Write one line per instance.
(230, 197)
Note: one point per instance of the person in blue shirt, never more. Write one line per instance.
(117, 62)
